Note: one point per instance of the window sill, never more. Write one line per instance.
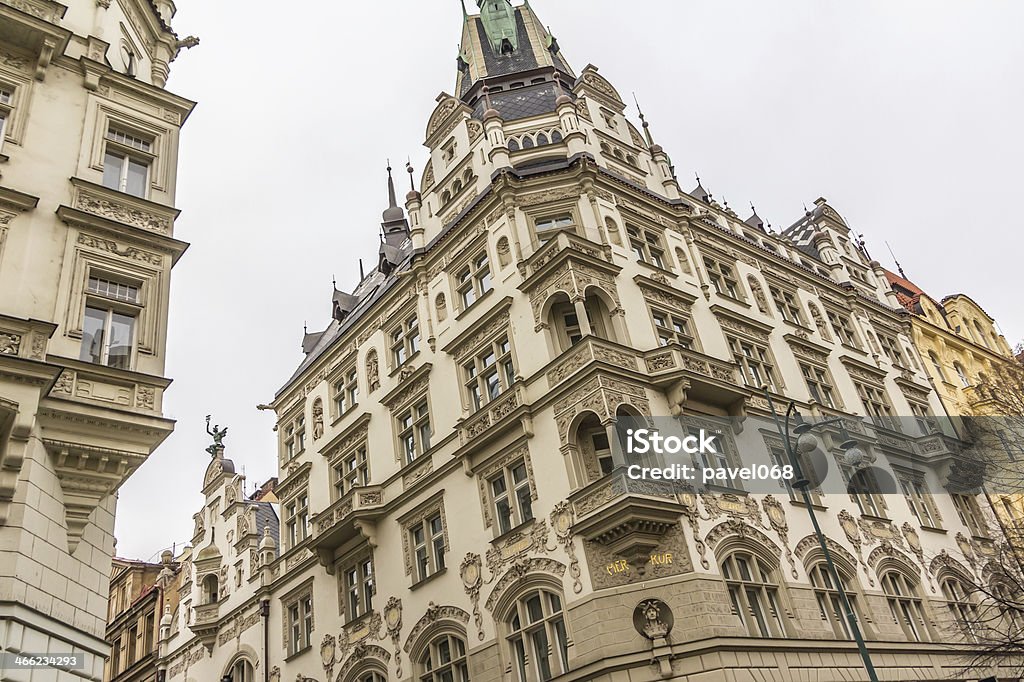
(298, 653)
(933, 529)
(512, 531)
(723, 489)
(430, 578)
(796, 325)
(4, 158)
(351, 625)
(855, 349)
(405, 365)
(816, 506)
(731, 299)
(656, 268)
(872, 517)
(344, 414)
(466, 311)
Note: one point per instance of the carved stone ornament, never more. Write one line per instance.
(393, 622)
(561, 522)
(472, 579)
(372, 370)
(653, 619)
(328, 649)
(777, 518)
(318, 419)
(759, 297)
(852, 532)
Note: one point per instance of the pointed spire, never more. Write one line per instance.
(643, 122)
(699, 192)
(754, 220)
(409, 170)
(393, 212)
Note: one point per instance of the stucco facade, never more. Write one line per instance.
(88, 162)
(452, 502)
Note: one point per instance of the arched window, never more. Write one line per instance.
(619, 155)
(527, 142)
(565, 323)
(456, 187)
(444, 660)
(211, 589)
(599, 316)
(830, 605)
(595, 449)
(631, 159)
(936, 365)
(905, 605)
(981, 334)
(537, 637)
(371, 676)
(446, 196)
(542, 140)
(242, 671)
(963, 610)
(556, 137)
(965, 381)
(513, 145)
(754, 593)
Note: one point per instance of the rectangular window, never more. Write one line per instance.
(926, 422)
(296, 515)
(970, 514)
(489, 373)
(548, 226)
(126, 163)
(6, 99)
(350, 472)
(345, 392)
(108, 337)
(672, 328)
(920, 502)
(414, 432)
(892, 348)
(133, 645)
(115, 657)
(359, 586)
(511, 496)
(300, 623)
(295, 437)
(787, 304)
(428, 545)
(755, 362)
(723, 278)
(405, 341)
(474, 280)
(819, 384)
(150, 633)
(646, 245)
(864, 489)
(842, 325)
(876, 404)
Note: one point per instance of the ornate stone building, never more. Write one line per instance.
(88, 164)
(454, 503)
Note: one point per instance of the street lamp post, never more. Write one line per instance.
(803, 484)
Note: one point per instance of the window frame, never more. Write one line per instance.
(518, 514)
(919, 500)
(419, 418)
(473, 280)
(404, 339)
(295, 515)
(432, 666)
(353, 462)
(424, 543)
(763, 360)
(787, 304)
(905, 604)
(476, 371)
(769, 591)
(892, 348)
(821, 379)
(298, 631)
(723, 275)
(356, 598)
(970, 514)
(118, 143)
(345, 390)
(521, 628)
(827, 595)
(844, 327)
(561, 217)
(647, 245)
(669, 334)
(877, 405)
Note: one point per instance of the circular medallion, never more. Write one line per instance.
(653, 619)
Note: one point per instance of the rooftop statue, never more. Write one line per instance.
(217, 434)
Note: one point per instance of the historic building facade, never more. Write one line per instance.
(88, 162)
(139, 594)
(453, 501)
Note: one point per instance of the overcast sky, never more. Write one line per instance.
(905, 115)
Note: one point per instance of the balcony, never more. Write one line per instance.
(590, 350)
(491, 419)
(350, 516)
(566, 241)
(704, 377)
(206, 623)
(629, 517)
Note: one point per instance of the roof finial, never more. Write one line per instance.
(392, 202)
(899, 267)
(334, 281)
(305, 328)
(362, 276)
(487, 96)
(646, 125)
(409, 170)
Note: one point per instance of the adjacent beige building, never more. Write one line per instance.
(452, 502)
(88, 165)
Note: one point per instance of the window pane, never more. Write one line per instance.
(92, 335)
(121, 328)
(112, 166)
(136, 180)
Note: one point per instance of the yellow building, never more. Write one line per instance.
(88, 174)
